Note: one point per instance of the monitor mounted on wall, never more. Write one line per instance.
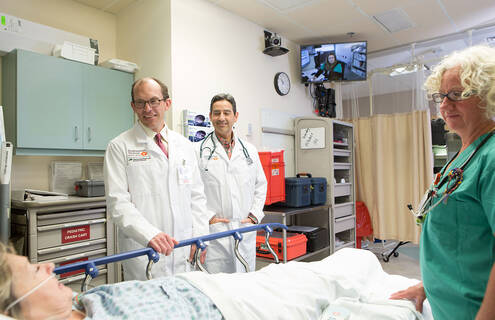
(334, 62)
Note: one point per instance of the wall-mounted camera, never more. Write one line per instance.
(273, 44)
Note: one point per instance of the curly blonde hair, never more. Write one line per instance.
(477, 73)
(6, 292)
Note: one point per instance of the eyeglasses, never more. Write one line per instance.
(154, 103)
(455, 95)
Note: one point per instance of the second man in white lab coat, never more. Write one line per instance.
(153, 190)
(235, 187)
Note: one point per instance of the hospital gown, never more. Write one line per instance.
(457, 241)
(161, 298)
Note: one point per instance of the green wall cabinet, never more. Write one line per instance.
(54, 106)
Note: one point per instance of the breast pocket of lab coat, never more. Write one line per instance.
(213, 176)
(144, 178)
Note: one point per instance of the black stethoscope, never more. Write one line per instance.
(453, 180)
(212, 151)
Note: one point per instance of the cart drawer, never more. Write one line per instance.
(344, 224)
(91, 255)
(343, 209)
(341, 189)
(71, 249)
(66, 233)
(75, 282)
(70, 216)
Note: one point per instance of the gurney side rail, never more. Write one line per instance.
(91, 270)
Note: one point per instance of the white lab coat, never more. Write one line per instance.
(138, 198)
(233, 189)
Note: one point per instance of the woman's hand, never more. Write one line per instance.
(415, 293)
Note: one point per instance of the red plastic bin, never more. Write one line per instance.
(274, 167)
(296, 245)
(364, 227)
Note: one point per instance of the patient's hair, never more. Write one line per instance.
(6, 294)
(477, 73)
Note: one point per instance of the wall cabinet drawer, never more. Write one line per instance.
(343, 209)
(341, 153)
(341, 166)
(66, 233)
(342, 189)
(343, 224)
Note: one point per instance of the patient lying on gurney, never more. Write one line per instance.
(350, 279)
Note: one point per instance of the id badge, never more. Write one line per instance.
(185, 174)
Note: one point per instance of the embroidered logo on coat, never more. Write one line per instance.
(137, 155)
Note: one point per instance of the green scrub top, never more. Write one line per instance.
(457, 247)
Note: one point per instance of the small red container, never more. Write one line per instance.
(296, 245)
(274, 167)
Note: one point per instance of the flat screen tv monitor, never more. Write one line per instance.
(333, 62)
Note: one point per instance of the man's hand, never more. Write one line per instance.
(247, 220)
(415, 293)
(217, 220)
(163, 243)
(202, 256)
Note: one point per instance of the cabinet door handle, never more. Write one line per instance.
(76, 133)
(89, 134)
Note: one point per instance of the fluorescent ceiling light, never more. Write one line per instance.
(401, 70)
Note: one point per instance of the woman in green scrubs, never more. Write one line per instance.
(457, 248)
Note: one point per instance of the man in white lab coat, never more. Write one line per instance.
(235, 186)
(153, 190)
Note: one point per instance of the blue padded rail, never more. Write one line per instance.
(90, 266)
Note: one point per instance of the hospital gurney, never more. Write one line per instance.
(91, 270)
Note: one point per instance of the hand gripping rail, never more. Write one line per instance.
(91, 270)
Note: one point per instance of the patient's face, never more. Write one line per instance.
(52, 299)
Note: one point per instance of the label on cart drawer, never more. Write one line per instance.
(68, 274)
(73, 234)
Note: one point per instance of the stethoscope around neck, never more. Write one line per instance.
(212, 150)
(453, 180)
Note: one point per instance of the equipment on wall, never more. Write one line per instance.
(323, 100)
(273, 45)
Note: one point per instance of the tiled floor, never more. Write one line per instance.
(406, 264)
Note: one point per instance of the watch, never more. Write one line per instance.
(282, 83)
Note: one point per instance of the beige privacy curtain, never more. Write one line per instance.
(394, 162)
(393, 168)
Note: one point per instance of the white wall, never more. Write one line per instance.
(143, 37)
(216, 51)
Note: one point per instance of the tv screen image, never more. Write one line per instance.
(333, 62)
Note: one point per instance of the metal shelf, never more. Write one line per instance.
(307, 255)
(345, 245)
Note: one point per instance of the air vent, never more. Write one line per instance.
(394, 20)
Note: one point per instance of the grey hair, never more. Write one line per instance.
(221, 97)
(477, 74)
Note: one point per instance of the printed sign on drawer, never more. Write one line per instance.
(68, 274)
(73, 234)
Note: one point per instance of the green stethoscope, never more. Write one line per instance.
(212, 150)
(453, 179)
